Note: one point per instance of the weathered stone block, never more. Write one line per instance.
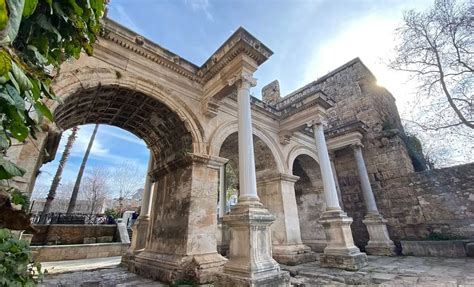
(88, 240)
(105, 239)
(449, 248)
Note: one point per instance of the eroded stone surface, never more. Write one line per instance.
(383, 271)
(389, 271)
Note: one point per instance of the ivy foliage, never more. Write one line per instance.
(36, 37)
(17, 267)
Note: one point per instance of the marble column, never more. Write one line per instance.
(379, 243)
(334, 173)
(340, 251)
(140, 227)
(222, 192)
(250, 253)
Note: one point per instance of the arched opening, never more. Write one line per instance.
(310, 201)
(265, 167)
(182, 220)
(113, 177)
(144, 116)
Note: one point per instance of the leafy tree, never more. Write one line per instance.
(36, 37)
(437, 48)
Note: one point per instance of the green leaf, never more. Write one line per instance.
(29, 8)
(23, 81)
(3, 14)
(77, 10)
(38, 56)
(18, 130)
(44, 110)
(14, 82)
(45, 23)
(15, 95)
(9, 169)
(4, 79)
(4, 141)
(35, 91)
(5, 62)
(15, 8)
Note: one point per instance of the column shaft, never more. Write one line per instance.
(339, 193)
(147, 192)
(247, 178)
(330, 192)
(222, 191)
(367, 192)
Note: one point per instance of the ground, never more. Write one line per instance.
(383, 271)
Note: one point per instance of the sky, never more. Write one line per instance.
(308, 38)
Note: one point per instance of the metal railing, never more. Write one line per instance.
(74, 218)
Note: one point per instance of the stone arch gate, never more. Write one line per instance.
(184, 112)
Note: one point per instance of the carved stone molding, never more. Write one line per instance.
(243, 80)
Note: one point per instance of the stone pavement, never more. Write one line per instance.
(381, 271)
(390, 271)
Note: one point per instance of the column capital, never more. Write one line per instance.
(243, 80)
(357, 146)
(316, 121)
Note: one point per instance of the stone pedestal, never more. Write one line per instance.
(170, 267)
(379, 243)
(277, 193)
(181, 240)
(139, 231)
(250, 255)
(340, 251)
(293, 254)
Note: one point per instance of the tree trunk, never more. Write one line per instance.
(57, 176)
(75, 191)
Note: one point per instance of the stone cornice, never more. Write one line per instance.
(187, 160)
(241, 42)
(145, 48)
(314, 98)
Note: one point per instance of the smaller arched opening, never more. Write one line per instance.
(310, 201)
(265, 168)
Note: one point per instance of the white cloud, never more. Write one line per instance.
(200, 5)
(128, 138)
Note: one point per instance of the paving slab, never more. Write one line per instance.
(381, 271)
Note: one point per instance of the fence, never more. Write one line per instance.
(74, 218)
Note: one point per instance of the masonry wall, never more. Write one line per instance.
(358, 98)
(415, 204)
(71, 233)
(436, 201)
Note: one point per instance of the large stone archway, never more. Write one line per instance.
(186, 113)
(181, 233)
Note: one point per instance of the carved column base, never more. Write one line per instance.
(340, 251)
(250, 255)
(169, 267)
(379, 243)
(293, 254)
(316, 245)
